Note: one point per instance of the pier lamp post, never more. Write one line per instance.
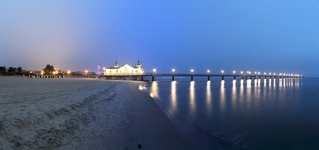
(241, 72)
(173, 70)
(274, 73)
(222, 71)
(258, 72)
(208, 71)
(68, 72)
(192, 70)
(269, 73)
(154, 70)
(265, 73)
(234, 72)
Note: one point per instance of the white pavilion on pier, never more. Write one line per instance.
(124, 70)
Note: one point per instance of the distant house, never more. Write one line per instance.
(124, 70)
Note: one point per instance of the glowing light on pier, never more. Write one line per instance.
(241, 72)
(222, 71)
(269, 73)
(265, 73)
(234, 71)
(255, 72)
(154, 70)
(68, 72)
(258, 72)
(208, 71)
(192, 70)
(173, 70)
(86, 71)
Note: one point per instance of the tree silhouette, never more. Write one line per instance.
(19, 70)
(3, 69)
(48, 69)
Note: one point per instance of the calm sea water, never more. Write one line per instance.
(248, 114)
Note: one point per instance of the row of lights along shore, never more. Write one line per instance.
(242, 72)
(86, 71)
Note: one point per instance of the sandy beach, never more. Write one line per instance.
(73, 113)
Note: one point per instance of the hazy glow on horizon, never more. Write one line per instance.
(279, 36)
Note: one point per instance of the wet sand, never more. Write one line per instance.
(81, 114)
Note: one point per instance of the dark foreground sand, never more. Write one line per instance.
(81, 114)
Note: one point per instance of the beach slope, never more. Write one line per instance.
(81, 114)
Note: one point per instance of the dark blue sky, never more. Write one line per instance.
(268, 35)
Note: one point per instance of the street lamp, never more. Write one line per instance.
(86, 71)
(234, 72)
(208, 71)
(68, 72)
(192, 70)
(222, 71)
(154, 70)
(173, 70)
(241, 72)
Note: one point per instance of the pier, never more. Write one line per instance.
(191, 76)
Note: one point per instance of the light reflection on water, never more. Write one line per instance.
(154, 92)
(245, 112)
(234, 94)
(222, 95)
(265, 83)
(173, 105)
(208, 98)
(192, 103)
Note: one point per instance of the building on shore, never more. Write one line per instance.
(124, 70)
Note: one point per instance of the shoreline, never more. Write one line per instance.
(153, 129)
(73, 113)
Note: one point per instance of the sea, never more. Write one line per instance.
(241, 114)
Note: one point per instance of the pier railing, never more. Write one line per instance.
(192, 75)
